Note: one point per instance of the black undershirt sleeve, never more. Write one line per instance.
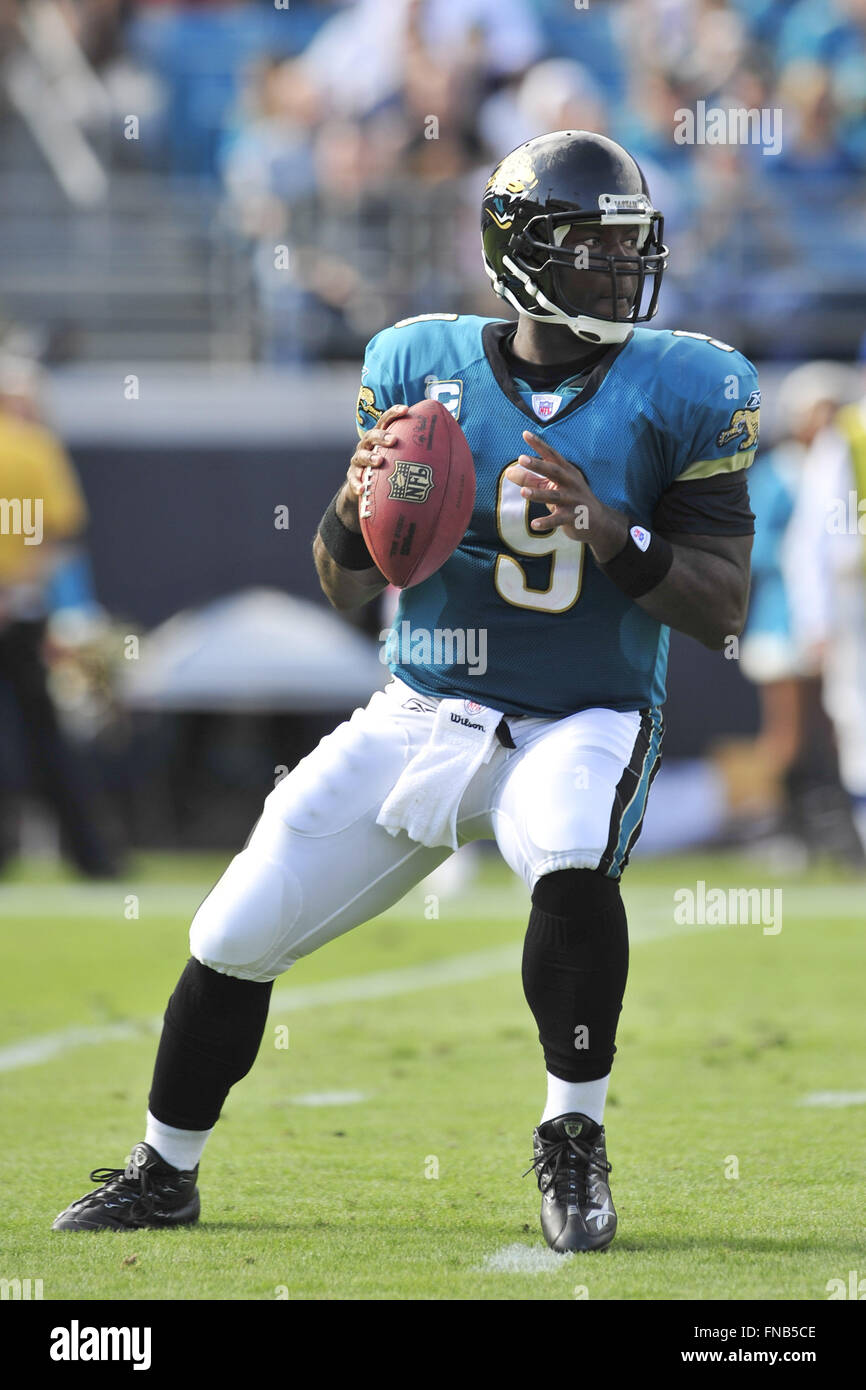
(717, 506)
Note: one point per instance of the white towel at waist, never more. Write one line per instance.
(426, 797)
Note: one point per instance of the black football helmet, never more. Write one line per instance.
(535, 196)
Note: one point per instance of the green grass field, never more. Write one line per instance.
(411, 1052)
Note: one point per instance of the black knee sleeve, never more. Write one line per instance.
(575, 964)
(212, 1031)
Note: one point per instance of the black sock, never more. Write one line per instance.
(212, 1031)
(575, 964)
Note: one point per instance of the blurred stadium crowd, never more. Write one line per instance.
(258, 183)
(358, 136)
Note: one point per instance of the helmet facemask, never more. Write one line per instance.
(545, 273)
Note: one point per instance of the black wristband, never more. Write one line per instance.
(346, 548)
(642, 563)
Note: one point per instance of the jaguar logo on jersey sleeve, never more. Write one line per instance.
(367, 406)
(744, 424)
(410, 482)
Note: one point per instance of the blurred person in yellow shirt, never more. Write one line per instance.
(42, 510)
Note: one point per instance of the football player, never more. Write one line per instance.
(611, 505)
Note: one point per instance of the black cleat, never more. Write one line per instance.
(571, 1166)
(148, 1192)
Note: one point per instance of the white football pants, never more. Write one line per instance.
(570, 795)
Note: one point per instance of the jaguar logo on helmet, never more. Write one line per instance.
(509, 180)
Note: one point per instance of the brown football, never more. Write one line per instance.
(415, 507)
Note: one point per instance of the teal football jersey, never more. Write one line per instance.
(526, 623)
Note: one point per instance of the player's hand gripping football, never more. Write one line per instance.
(570, 501)
(365, 456)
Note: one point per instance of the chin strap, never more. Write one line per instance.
(583, 326)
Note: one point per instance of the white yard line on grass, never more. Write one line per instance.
(315, 1098)
(31, 1051)
(385, 984)
(20, 900)
(834, 1099)
(478, 965)
(524, 1259)
(97, 900)
(651, 921)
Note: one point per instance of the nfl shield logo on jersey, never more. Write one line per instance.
(545, 404)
